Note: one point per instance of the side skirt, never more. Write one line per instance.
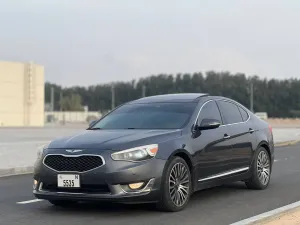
(220, 180)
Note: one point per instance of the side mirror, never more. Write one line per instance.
(92, 123)
(208, 124)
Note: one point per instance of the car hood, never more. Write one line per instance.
(113, 139)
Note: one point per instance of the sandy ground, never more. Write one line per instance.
(288, 218)
(284, 123)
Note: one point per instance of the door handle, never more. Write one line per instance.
(251, 130)
(226, 136)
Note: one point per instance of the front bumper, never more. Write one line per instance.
(149, 194)
(107, 183)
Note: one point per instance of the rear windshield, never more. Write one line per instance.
(148, 116)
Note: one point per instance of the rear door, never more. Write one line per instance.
(241, 133)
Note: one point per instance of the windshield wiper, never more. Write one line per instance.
(95, 128)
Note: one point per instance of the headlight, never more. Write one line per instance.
(137, 153)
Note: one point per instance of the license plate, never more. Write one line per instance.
(68, 180)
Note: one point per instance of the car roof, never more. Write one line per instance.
(181, 97)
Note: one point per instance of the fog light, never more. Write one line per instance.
(135, 186)
(35, 182)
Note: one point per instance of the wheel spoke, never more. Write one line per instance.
(175, 172)
(173, 196)
(184, 174)
(182, 196)
(172, 186)
(259, 164)
(172, 177)
(183, 189)
(177, 197)
(266, 178)
(172, 192)
(182, 170)
(259, 174)
(186, 180)
(267, 172)
(172, 181)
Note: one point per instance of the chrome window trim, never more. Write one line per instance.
(225, 100)
(238, 105)
(243, 108)
(201, 109)
(65, 155)
(230, 172)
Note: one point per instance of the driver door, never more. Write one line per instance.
(213, 149)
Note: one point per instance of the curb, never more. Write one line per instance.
(267, 216)
(16, 171)
(286, 143)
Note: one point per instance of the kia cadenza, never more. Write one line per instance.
(159, 149)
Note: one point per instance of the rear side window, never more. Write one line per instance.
(230, 112)
(210, 111)
(244, 114)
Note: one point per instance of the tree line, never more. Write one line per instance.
(279, 98)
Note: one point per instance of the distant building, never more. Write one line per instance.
(21, 94)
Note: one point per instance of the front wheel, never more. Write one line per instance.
(261, 170)
(176, 186)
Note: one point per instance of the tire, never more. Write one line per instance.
(256, 181)
(62, 203)
(175, 196)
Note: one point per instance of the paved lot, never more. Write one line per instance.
(221, 206)
(18, 146)
(286, 134)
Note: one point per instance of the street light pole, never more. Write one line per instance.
(251, 96)
(144, 90)
(52, 99)
(112, 96)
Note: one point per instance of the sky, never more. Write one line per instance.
(86, 42)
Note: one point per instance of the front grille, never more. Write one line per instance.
(85, 188)
(73, 163)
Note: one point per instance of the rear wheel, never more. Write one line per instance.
(176, 186)
(62, 203)
(261, 170)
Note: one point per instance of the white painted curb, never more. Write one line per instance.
(267, 215)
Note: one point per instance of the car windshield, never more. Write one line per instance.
(148, 116)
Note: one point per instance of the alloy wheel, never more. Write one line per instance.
(263, 167)
(179, 184)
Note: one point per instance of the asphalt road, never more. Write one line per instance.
(216, 206)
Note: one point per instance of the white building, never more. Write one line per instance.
(21, 94)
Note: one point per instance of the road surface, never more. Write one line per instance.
(217, 206)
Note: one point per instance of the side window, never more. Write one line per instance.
(230, 112)
(210, 111)
(244, 114)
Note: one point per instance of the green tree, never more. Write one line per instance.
(279, 98)
(71, 103)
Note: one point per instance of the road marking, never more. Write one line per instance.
(30, 201)
(268, 214)
(284, 159)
